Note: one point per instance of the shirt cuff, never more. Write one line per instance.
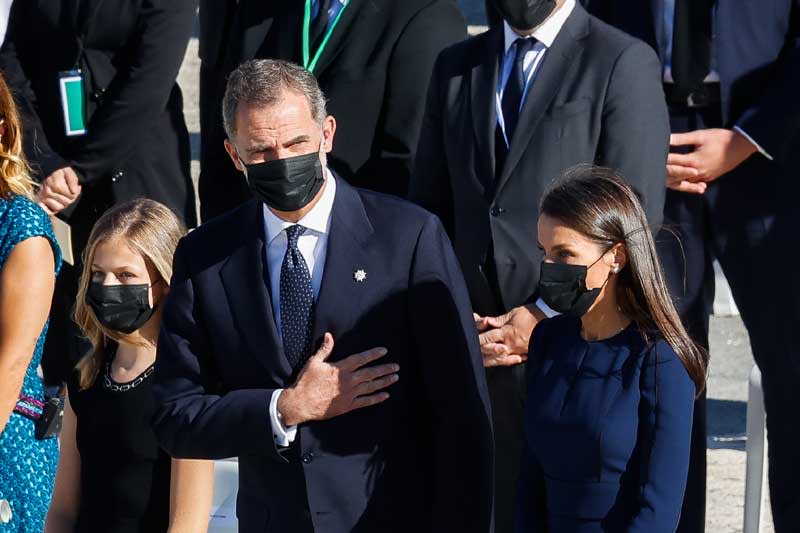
(753, 142)
(284, 436)
(544, 308)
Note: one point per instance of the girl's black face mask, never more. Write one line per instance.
(563, 288)
(524, 14)
(287, 184)
(123, 308)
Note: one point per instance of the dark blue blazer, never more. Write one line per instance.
(421, 461)
(608, 428)
(758, 59)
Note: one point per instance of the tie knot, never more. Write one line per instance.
(524, 46)
(293, 233)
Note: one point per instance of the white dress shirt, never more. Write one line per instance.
(545, 34)
(313, 246)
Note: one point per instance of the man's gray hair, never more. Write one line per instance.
(262, 82)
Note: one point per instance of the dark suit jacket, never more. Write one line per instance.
(421, 461)
(758, 60)
(137, 143)
(374, 73)
(597, 98)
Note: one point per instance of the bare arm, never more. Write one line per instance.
(191, 488)
(26, 290)
(67, 493)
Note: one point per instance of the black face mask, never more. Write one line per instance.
(524, 14)
(123, 308)
(287, 184)
(563, 288)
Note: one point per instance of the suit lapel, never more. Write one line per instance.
(349, 234)
(546, 84)
(483, 88)
(245, 279)
(359, 10)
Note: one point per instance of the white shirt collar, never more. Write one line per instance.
(547, 31)
(317, 220)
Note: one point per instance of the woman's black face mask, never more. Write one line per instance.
(563, 288)
(123, 308)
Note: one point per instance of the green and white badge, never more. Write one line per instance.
(73, 102)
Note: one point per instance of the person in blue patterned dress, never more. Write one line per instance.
(29, 261)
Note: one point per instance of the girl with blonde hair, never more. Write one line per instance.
(29, 262)
(113, 476)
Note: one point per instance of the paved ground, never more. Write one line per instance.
(730, 352)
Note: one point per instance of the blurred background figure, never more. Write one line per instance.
(118, 133)
(731, 73)
(29, 260)
(112, 474)
(508, 111)
(216, 18)
(373, 61)
(5, 7)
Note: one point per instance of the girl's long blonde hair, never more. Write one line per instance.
(146, 227)
(15, 176)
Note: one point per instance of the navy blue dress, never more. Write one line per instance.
(607, 428)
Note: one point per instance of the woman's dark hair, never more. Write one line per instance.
(598, 204)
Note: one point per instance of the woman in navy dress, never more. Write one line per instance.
(612, 381)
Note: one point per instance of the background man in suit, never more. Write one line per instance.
(373, 61)
(216, 20)
(734, 107)
(323, 444)
(507, 112)
(135, 142)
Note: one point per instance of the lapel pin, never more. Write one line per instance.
(360, 275)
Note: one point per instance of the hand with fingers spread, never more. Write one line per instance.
(325, 390)
(59, 190)
(504, 339)
(716, 152)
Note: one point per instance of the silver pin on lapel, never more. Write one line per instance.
(360, 275)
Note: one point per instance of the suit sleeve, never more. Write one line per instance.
(665, 420)
(428, 33)
(454, 386)
(140, 91)
(635, 130)
(430, 179)
(774, 120)
(193, 419)
(42, 157)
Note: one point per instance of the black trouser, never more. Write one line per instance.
(738, 221)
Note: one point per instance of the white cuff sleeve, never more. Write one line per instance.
(284, 436)
(544, 308)
(753, 142)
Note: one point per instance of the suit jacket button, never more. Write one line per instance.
(117, 175)
(307, 457)
(497, 211)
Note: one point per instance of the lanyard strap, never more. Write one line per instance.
(310, 65)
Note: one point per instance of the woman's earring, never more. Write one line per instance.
(615, 269)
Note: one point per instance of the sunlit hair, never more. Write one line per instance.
(599, 205)
(15, 178)
(146, 227)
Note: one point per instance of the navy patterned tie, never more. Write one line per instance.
(297, 302)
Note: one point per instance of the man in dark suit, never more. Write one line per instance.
(135, 142)
(373, 61)
(507, 112)
(734, 111)
(326, 442)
